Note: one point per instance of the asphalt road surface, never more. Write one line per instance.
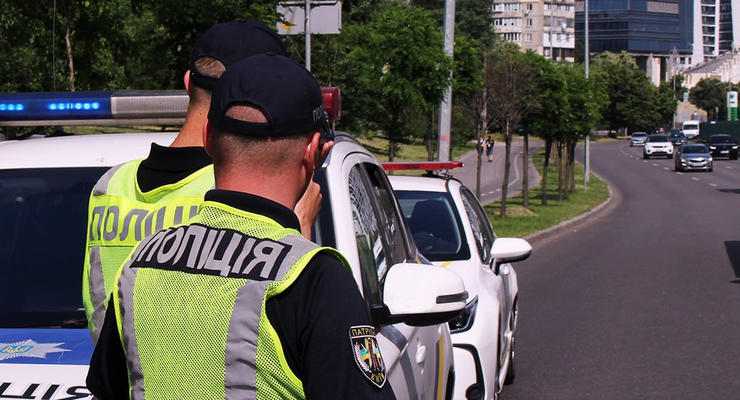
(642, 301)
(492, 174)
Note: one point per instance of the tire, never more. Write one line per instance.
(670, 156)
(710, 169)
(645, 156)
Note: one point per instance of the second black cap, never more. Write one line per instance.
(229, 42)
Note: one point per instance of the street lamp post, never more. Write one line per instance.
(587, 145)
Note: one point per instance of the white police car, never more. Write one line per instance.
(451, 229)
(45, 184)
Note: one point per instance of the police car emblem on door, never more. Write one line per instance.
(367, 354)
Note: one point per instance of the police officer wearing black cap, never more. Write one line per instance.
(237, 304)
(166, 187)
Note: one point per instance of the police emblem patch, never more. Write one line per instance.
(367, 354)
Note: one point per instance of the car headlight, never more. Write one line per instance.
(683, 160)
(465, 319)
(734, 147)
(712, 147)
(710, 159)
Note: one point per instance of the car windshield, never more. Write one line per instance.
(43, 214)
(639, 135)
(694, 149)
(720, 139)
(676, 135)
(435, 224)
(691, 126)
(657, 138)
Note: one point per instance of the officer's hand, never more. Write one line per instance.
(308, 207)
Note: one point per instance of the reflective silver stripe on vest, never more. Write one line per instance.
(97, 292)
(126, 298)
(101, 187)
(241, 343)
(97, 281)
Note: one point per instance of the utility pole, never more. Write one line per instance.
(445, 106)
(587, 145)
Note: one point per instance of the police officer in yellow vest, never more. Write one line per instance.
(137, 198)
(236, 304)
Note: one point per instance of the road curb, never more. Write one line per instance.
(579, 219)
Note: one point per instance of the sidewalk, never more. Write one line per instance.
(492, 173)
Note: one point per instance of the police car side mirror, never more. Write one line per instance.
(509, 250)
(420, 295)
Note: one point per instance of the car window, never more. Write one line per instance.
(435, 224)
(43, 217)
(370, 249)
(396, 241)
(482, 232)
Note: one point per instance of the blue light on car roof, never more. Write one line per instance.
(55, 106)
(12, 107)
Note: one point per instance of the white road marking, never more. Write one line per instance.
(680, 173)
(666, 168)
(498, 190)
(645, 161)
(713, 184)
(656, 165)
(492, 192)
(695, 178)
(728, 167)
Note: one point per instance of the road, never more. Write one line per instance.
(642, 301)
(492, 174)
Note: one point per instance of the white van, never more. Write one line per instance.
(690, 128)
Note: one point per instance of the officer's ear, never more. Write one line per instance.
(186, 81)
(206, 137)
(312, 152)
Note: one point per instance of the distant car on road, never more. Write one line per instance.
(677, 137)
(722, 145)
(638, 139)
(657, 145)
(692, 157)
(690, 128)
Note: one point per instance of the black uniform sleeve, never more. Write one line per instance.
(107, 377)
(313, 319)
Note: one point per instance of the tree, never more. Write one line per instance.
(513, 93)
(551, 123)
(631, 102)
(395, 68)
(710, 94)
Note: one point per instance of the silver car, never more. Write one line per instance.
(691, 157)
(638, 139)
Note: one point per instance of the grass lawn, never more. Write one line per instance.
(521, 222)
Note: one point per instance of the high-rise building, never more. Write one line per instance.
(546, 27)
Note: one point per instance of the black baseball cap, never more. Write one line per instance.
(230, 42)
(283, 90)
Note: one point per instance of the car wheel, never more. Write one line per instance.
(645, 156)
(670, 156)
(710, 169)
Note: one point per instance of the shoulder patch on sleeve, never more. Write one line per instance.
(367, 354)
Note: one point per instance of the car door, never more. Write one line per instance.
(369, 232)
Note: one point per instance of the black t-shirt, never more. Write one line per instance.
(166, 165)
(312, 319)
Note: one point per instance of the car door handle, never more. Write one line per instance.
(421, 353)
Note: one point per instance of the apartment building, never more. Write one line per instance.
(546, 27)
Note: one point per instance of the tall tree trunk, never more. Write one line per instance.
(391, 148)
(559, 160)
(430, 139)
(68, 43)
(507, 166)
(566, 168)
(478, 162)
(572, 165)
(546, 166)
(525, 171)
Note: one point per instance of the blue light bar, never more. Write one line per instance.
(55, 106)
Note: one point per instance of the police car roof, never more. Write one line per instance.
(420, 183)
(97, 150)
